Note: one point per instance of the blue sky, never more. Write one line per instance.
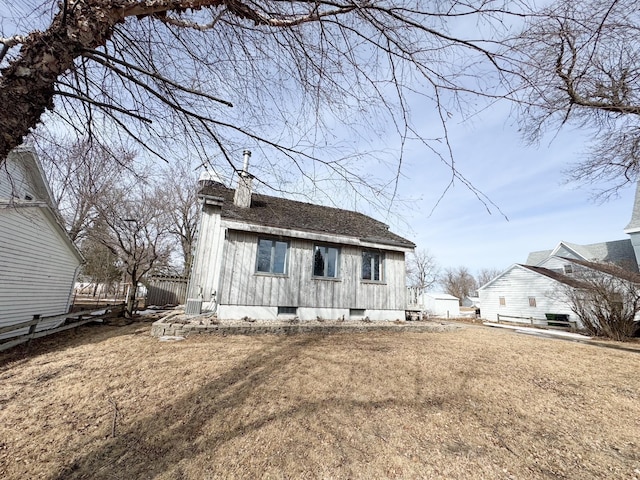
(526, 183)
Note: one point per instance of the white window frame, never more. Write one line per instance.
(272, 257)
(324, 251)
(373, 254)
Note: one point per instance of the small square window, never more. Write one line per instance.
(326, 261)
(532, 301)
(503, 302)
(372, 265)
(272, 256)
(568, 269)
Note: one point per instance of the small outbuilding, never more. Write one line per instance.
(440, 305)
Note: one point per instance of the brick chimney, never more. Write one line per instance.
(242, 197)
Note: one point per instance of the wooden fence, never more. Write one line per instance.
(549, 321)
(167, 290)
(37, 319)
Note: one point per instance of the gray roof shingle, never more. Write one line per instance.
(291, 214)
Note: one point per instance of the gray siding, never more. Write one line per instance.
(241, 285)
(37, 268)
(516, 286)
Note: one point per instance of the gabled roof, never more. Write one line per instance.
(290, 214)
(619, 252)
(558, 277)
(609, 269)
(440, 296)
(27, 158)
(634, 224)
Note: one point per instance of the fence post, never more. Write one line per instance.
(32, 328)
(498, 317)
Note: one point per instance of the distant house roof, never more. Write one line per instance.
(291, 214)
(619, 252)
(634, 224)
(558, 277)
(609, 269)
(440, 296)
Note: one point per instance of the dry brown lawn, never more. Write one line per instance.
(472, 403)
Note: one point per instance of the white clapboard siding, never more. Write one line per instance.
(37, 267)
(241, 285)
(22, 178)
(517, 285)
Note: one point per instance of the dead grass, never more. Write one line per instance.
(474, 403)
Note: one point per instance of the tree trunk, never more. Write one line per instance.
(27, 85)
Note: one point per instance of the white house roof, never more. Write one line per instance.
(440, 296)
(545, 272)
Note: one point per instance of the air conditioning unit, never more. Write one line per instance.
(193, 306)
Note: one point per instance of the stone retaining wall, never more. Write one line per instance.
(162, 328)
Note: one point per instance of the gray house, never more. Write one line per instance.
(266, 257)
(38, 261)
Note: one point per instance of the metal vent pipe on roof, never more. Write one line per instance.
(245, 166)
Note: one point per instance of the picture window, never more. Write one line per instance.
(326, 261)
(372, 265)
(272, 256)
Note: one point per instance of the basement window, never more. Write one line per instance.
(356, 312)
(287, 310)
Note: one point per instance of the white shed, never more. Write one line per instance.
(440, 304)
(38, 261)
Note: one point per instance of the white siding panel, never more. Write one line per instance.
(516, 286)
(37, 268)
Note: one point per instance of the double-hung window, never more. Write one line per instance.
(325, 261)
(272, 256)
(372, 265)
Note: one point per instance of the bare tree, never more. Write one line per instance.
(458, 282)
(485, 275)
(179, 189)
(218, 75)
(101, 264)
(579, 63)
(134, 227)
(606, 299)
(82, 174)
(422, 270)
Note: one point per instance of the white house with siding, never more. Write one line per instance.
(38, 261)
(526, 294)
(266, 257)
(535, 289)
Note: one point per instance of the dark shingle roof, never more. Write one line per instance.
(290, 214)
(558, 277)
(619, 252)
(609, 269)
